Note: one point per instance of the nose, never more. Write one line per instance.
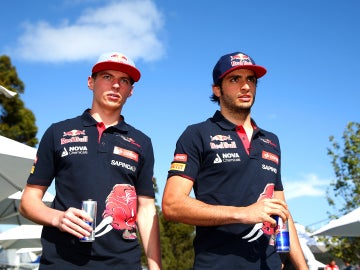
(116, 84)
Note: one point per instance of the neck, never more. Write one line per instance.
(108, 118)
(242, 118)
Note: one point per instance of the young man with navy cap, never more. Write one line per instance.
(97, 156)
(233, 167)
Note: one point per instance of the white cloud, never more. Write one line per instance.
(131, 27)
(308, 185)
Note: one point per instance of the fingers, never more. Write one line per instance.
(73, 221)
(265, 210)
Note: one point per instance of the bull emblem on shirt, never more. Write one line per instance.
(120, 212)
(260, 228)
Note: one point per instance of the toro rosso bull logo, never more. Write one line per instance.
(260, 228)
(120, 212)
(74, 135)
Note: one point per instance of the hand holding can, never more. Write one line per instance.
(282, 241)
(90, 207)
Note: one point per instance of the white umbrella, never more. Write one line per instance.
(7, 92)
(347, 225)
(9, 213)
(16, 160)
(23, 236)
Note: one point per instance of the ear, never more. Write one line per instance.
(91, 83)
(131, 91)
(216, 90)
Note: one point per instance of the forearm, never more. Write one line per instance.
(40, 214)
(194, 212)
(296, 254)
(148, 224)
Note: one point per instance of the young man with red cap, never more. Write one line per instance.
(233, 167)
(97, 156)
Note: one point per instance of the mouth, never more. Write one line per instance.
(113, 96)
(245, 98)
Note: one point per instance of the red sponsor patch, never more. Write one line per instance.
(180, 157)
(270, 156)
(126, 153)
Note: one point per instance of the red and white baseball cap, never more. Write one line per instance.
(117, 61)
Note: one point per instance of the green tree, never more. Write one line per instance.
(344, 192)
(16, 121)
(176, 243)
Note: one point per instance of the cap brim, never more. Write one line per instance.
(259, 70)
(133, 72)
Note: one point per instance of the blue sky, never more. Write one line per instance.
(310, 49)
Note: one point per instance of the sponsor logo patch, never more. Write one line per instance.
(269, 168)
(74, 150)
(177, 167)
(270, 156)
(181, 158)
(123, 165)
(126, 153)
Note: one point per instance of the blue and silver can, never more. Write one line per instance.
(282, 242)
(90, 207)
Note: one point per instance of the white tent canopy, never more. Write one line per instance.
(9, 209)
(23, 236)
(347, 225)
(7, 92)
(16, 160)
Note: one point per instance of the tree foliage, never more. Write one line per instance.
(344, 192)
(176, 243)
(16, 121)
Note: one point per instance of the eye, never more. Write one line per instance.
(252, 79)
(125, 81)
(107, 77)
(235, 79)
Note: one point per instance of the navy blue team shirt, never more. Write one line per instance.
(85, 166)
(212, 155)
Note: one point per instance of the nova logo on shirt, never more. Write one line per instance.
(74, 150)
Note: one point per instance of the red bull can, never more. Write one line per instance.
(90, 207)
(282, 242)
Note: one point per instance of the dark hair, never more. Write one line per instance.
(214, 98)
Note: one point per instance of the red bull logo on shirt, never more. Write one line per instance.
(74, 132)
(73, 136)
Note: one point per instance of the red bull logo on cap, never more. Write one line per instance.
(118, 58)
(240, 60)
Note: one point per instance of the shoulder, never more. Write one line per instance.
(137, 134)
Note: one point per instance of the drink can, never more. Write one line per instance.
(90, 207)
(282, 241)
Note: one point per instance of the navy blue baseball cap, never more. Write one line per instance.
(236, 60)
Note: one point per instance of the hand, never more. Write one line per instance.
(72, 221)
(263, 210)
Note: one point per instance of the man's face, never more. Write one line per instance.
(237, 91)
(110, 89)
